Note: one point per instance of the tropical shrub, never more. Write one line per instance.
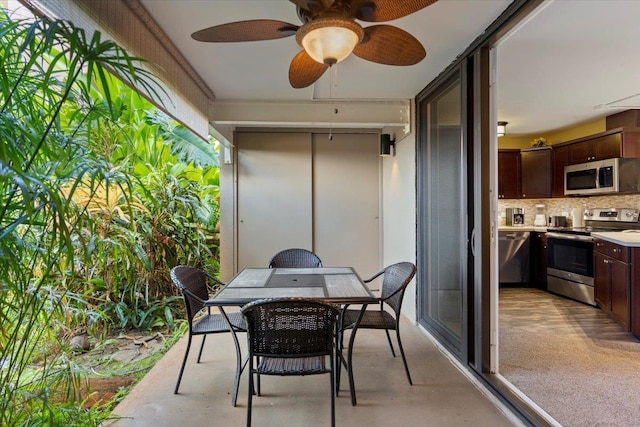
(96, 203)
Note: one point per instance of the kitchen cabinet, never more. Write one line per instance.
(635, 291)
(560, 159)
(536, 173)
(601, 281)
(539, 260)
(621, 142)
(509, 174)
(612, 280)
(604, 147)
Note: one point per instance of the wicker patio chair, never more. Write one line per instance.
(395, 280)
(290, 336)
(295, 258)
(192, 283)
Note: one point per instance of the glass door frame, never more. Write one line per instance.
(478, 350)
(456, 344)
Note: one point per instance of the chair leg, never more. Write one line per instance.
(333, 397)
(338, 361)
(204, 337)
(390, 344)
(404, 359)
(184, 362)
(258, 378)
(250, 392)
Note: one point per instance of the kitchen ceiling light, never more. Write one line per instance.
(329, 40)
(502, 128)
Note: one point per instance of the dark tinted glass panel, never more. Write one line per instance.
(573, 256)
(581, 180)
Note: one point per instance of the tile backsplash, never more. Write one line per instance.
(563, 206)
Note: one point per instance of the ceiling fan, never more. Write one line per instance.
(329, 33)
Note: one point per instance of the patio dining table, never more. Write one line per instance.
(337, 285)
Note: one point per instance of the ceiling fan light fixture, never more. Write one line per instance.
(329, 40)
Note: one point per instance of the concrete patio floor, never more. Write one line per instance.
(440, 396)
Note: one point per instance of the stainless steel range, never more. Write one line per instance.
(570, 251)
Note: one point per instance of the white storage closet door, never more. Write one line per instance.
(346, 208)
(274, 195)
(299, 190)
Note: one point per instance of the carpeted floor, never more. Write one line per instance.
(570, 358)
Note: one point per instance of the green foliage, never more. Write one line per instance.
(100, 195)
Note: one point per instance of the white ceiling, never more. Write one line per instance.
(259, 70)
(574, 61)
(562, 67)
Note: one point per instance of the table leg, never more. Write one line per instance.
(239, 364)
(349, 361)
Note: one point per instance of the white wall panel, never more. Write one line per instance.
(399, 210)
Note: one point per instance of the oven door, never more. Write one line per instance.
(570, 266)
(571, 254)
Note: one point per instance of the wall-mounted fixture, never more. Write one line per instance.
(502, 128)
(387, 145)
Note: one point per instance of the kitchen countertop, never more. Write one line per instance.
(624, 239)
(631, 240)
(521, 228)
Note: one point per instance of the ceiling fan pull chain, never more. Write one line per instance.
(335, 95)
(335, 110)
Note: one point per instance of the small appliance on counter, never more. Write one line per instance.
(558, 221)
(577, 216)
(540, 220)
(515, 216)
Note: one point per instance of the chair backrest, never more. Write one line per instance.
(192, 283)
(295, 258)
(290, 327)
(394, 283)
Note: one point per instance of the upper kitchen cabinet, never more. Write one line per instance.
(509, 174)
(560, 159)
(536, 173)
(621, 142)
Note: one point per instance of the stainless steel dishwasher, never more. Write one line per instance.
(513, 253)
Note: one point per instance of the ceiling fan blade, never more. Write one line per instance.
(313, 5)
(386, 44)
(386, 10)
(246, 31)
(304, 70)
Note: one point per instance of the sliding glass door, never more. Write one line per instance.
(442, 212)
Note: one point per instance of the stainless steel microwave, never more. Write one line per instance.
(607, 176)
